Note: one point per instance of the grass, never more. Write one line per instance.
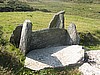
(41, 20)
(85, 16)
(81, 9)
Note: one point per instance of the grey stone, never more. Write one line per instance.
(74, 37)
(54, 22)
(49, 38)
(92, 65)
(26, 36)
(94, 57)
(16, 35)
(61, 16)
(87, 69)
(58, 20)
(54, 57)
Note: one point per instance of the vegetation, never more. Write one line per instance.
(81, 9)
(86, 16)
(76, 1)
(14, 5)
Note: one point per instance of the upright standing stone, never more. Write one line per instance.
(61, 16)
(25, 36)
(16, 35)
(57, 21)
(74, 37)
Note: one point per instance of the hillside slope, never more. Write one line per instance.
(81, 1)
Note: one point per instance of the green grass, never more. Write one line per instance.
(81, 9)
(85, 16)
(40, 20)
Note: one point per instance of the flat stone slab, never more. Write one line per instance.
(94, 57)
(54, 57)
(92, 66)
(87, 69)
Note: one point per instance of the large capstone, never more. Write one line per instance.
(54, 57)
(26, 36)
(16, 35)
(74, 37)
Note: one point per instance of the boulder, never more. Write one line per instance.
(54, 57)
(74, 37)
(25, 36)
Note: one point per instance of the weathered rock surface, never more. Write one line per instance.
(25, 36)
(94, 57)
(92, 66)
(57, 20)
(56, 35)
(87, 69)
(54, 57)
(15, 37)
(74, 37)
(49, 38)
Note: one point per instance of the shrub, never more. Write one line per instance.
(44, 10)
(1, 1)
(2, 41)
(19, 6)
(15, 5)
(85, 1)
(6, 9)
